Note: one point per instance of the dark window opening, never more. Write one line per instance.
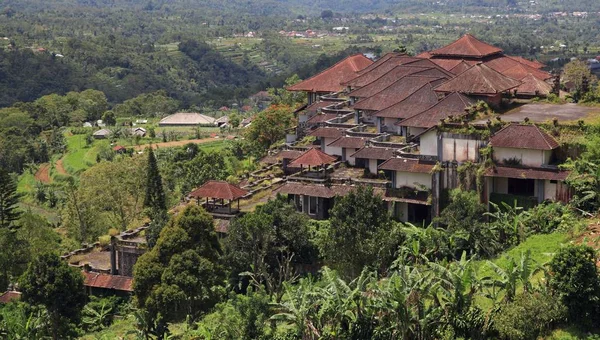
(521, 187)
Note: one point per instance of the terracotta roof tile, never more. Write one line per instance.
(534, 87)
(9, 296)
(107, 281)
(479, 79)
(418, 101)
(289, 154)
(313, 157)
(327, 132)
(527, 173)
(379, 84)
(530, 63)
(521, 71)
(382, 61)
(453, 104)
(521, 136)
(406, 165)
(330, 79)
(395, 93)
(376, 70)
(321, 118)
(218, 189)
(349, 142)
(460, 67)
(374, 153)
(467, 46)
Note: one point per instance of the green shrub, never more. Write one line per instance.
(550, 217)
(529, 316)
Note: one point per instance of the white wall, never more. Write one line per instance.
(331, 150)
(499, 185)
(389, 123)
(351, 160)
(429, 143)
(373, 166)
(549, 190)
(408, 179)
(413, 131)
(526, 156)
(460, 150)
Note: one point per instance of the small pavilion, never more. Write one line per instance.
(216, 194)
(312, 158)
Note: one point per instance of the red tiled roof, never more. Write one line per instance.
(530, 63)
(534, 87)
(107, 281)
(330, 79)
(313, 157)
(376, 70)
(418, 101)
(395, 93)
(327, 132)
(479, 79)
(289, 154)
(321, 118)
(119, 148)
(425, 54)
(406, 165)
(519, 136)
(218, 189)
(9, 296)
(527, 173)
(349, 142)
(315, 190)
(467, 46)
(374, 153)
(521, 71)
(382, 61)
(315, 107)
(461, 67)
(453, 104)
(387, 79)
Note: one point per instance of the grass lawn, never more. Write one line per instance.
(79, 156)
(125, 329)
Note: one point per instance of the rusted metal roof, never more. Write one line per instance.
(467, 46)
(313, 157)
(330, 80)
(327, 132)
(107, 281)
(453, 104)
(479, 79)
(519, 136)
(349, 142)
(418, 101)
(395, 93)
(374, 153)
(527, 173)
(220, 190)
(406, 165)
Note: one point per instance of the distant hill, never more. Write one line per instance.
(315, 7)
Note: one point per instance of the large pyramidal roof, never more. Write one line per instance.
(466, 47)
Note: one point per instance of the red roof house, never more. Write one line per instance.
(468, 46)
(9, 296)
(219, 190)
(479, 80)
(519, 136)
(330, 80)
(103, 282)
(312, 157)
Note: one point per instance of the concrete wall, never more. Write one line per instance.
(373, 166)
(549, 190)
(460, 150)
(429, 143)
(330, 150)
(526, 156)
(408, 179)
(413, 131)
(350, 160)
(389, 124)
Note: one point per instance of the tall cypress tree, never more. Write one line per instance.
(155, 196)
(9, 198)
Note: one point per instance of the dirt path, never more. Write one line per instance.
(176, 143)
(60, 167)
(43, 173)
